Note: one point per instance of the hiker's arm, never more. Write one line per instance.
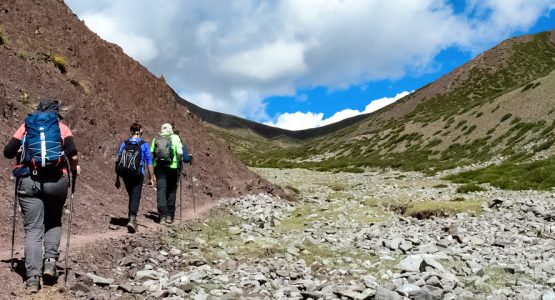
(70, 151)
(13, 146)
(74, 163)
(151, 177)
(179, 149)
(10, 150)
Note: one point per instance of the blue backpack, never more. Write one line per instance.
(42, 143)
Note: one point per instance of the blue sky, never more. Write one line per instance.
(301, 64)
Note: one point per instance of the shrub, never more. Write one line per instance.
(479, 114)
(505, 117)
(351, 170)
(60, 62)
(537, 175)
(527, 87)
(469, 188)
(429, 209)
(338, 186)
(2, 37)
(544, 146)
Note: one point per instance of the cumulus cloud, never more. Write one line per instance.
(303, 120)
(138, 47)
(231, 55)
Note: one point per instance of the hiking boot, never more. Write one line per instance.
(132, 225)
(50, 271)
(33, 284)
(169, 220)
(163, 220)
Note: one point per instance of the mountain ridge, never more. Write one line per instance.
(438, 125)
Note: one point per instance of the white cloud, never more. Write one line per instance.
(269, 62)
(383, 102)
(138, 47)
(274, 48)
(299, 120)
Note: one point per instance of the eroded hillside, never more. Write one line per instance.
(47, 52)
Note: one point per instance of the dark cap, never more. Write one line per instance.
(50, 106)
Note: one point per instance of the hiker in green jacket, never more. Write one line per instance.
(167, 151)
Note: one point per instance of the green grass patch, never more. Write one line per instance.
(537, 175)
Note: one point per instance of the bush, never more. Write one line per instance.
(527, 87)
(440, 186)
(537, 175)
(469, 188)
(60, 62)
(2, 36)
(505, 117)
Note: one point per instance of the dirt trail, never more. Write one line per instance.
(79, 243)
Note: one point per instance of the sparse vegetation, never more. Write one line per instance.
(537, 175)
(505, 117)
(390, 143)
(3, 38)
(469, 188)
(338, 186)
(60, 62)
(440, 186)
(428, 209)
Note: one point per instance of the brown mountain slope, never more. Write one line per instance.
(498, 106)
(102, 91)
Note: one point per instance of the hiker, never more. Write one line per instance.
(42, 183)
(167, 151)
(133, 155)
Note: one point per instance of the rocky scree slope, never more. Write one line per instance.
(47, 52)
(345, 239)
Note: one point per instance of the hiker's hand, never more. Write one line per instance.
(78, 170)
(118, 183)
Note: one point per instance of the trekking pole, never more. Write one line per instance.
(15, 200)
(180, 193)
(192, 185)
(73, 179)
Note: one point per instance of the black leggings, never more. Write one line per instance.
(134, 186)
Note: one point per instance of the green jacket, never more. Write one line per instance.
(177, 146)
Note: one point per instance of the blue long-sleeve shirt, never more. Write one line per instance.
(145, 149)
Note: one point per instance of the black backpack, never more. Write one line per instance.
(130, 160)
(163, 153)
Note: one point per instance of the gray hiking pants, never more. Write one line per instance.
(42, 203)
